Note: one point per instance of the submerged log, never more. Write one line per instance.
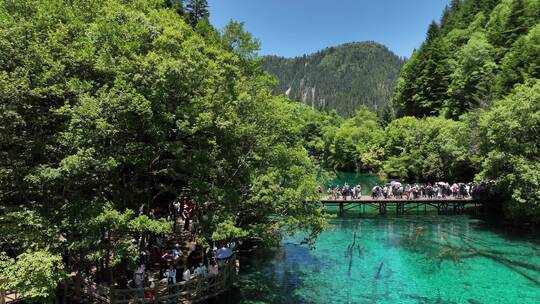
(378, 275)
(471, 249)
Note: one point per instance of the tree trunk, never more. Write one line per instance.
(77, 285)
(109, 276)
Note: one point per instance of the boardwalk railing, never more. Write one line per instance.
(192, 291)
(9, 296)
(447, 205)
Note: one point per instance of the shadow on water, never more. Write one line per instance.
(271, 276)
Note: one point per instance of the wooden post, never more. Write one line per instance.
(111, 296)
(2, 296)
(382, 208)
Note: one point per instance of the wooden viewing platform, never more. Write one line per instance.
(196, 290)
(401, 206)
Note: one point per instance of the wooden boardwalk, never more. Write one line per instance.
(401, 206)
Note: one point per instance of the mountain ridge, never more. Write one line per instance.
(341, 77)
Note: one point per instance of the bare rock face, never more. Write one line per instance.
(340, 78)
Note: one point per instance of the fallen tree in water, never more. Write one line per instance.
(467, 247)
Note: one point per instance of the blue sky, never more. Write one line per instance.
(296, 27)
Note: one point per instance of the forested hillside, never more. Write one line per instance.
(480, 66)
(468, 103)
(476, 54)
(468, 107)
(340, 78)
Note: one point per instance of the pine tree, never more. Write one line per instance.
(424, 81)
(472, 80)
(516, 24)
(455, 5)
(446, 15)
(521, 63)
(432, 32)
(197, 10)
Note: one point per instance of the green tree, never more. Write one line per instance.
(424, 82)
(473, 77)
(428, 149)
(354, 146)
(239, 41)
(177, 5)
(433, 31)
(34, 275)
(521, 63)
(516, 24)
(512, 151)
(112, 106)
(457, 68)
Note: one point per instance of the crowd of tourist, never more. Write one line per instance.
(397, 190)
(178, 270)
(160, 260)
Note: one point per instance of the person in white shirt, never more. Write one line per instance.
(139, 277)
(201, 270)
(213, 270)
(171, 275)
(186, 275)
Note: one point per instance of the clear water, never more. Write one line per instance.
(451, 260)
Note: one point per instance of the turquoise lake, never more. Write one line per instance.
(423, 259)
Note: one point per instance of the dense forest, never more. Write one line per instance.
(466, 106)
(110, 109)
(480, 67)
(339, 78)
(476, 54)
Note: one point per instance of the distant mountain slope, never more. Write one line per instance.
(341, 77)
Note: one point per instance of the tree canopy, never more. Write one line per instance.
(512, 150)
(476, 45)
(488, 85)
(110, 108)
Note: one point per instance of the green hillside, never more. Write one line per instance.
(476, 54)
(340, 78)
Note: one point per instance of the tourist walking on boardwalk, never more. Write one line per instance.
(171, 275)
(139, 276)
(345, 191)
(330, 192)
(186, 217)
(375, 192)
(186, 274)
(395, 190)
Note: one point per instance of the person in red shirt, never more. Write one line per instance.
(149, 293)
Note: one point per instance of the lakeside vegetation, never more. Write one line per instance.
(466, 107)
(110, 109)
